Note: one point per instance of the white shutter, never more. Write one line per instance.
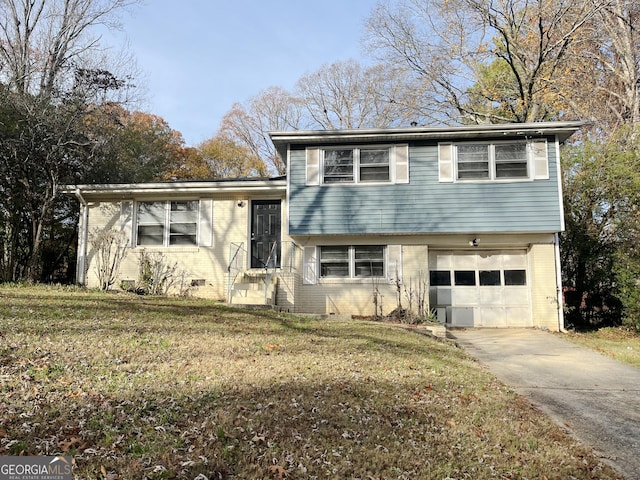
(394, 263)
(445, 162)
(313, 166)
(126, 221)
(539, 159)
(206, 223)
(310, 267)
(402, 164)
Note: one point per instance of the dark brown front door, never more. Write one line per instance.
(265, 231)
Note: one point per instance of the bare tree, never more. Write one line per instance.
(349, 95)
(44, 43)
(248, 124)
(339, 95)
(448, 45)
(608, 55)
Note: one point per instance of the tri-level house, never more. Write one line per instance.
(465, 219)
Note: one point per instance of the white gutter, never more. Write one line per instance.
(190, 188)
(83, 235)
(561, 129)
(556, 242)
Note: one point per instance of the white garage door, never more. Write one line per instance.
(481, 288)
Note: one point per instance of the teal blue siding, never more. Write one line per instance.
(424, 205)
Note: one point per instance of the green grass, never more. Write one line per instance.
(136, 387)
(622, 344)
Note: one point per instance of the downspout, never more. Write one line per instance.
(559, 284)
(82, 238)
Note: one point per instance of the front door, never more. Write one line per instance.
(265, 232)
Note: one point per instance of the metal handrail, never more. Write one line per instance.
(273, 257)
(288, 252)
(234, 268)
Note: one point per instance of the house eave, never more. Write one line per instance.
(176, 188)
(560, 130)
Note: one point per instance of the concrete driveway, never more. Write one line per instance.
(596, 398)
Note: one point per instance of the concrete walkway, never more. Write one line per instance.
(596, 398)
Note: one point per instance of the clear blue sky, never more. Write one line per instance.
(199, 57)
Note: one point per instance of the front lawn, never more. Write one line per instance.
(619, 343)
(137, 387)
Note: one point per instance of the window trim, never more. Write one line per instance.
(492, 164)
(356, 174)
(166, 225)
(352, 262)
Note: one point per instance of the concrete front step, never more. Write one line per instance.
(247, 294)
(249, 289)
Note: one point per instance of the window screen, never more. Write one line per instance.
(334, 261)
(473, 162)
(183, 223)
(369, 261)
(374, 165)
(151, 223)
(338, 166)
(511, 160)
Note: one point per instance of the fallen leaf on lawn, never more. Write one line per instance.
(65, 446)
(278, 470)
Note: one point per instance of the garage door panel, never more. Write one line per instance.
(464, 262)
(489, 261)
(514, 260)
(491, 296)
(492, 317)
(461, 296)
(516, 295)
(518, 316)
(440, 261)
(440, 296)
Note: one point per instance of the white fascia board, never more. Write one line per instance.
(190, 188)
(562, 130)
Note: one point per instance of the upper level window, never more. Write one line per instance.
(492, 161)
(355, 165)
(473, 161)
(338, 166)
(167, 223)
